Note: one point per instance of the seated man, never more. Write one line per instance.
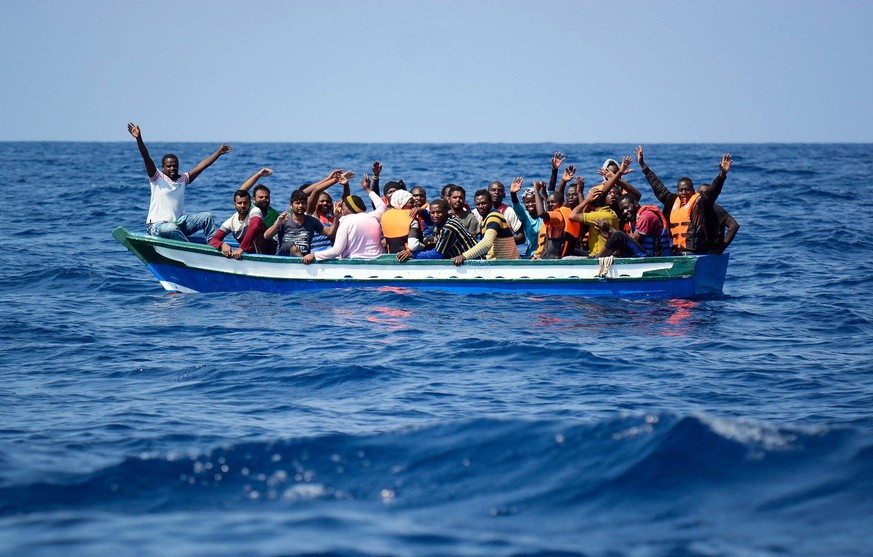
(727, 225)
(458, 203)
(166, 217)
(647, 225)
(552, 242)
(690, 214)
(261, 200)
(247, 226)
(597, 206)
(498, 241)
(296, 230)
(358, 234)
(400, 227)
(617, 242)
(452, 238)
(527, 213)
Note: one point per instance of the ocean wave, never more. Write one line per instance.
(526, 465)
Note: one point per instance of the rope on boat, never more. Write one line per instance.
(605, 265)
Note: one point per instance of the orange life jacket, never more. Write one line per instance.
(680, 220)
(395, 228)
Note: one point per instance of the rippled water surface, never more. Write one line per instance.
(402, 423)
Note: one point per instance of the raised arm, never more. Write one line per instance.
(255, 177)
(557, 159)
(714, 190)
(566, 177)
(207, 162)
(540, 192)
(377, 170)
(313, 191)
(661, 192)
(149, 163)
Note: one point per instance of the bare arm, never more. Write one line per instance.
(557, 159)
(255, 177)
(566, 177)
(207, 162)
(146, 158)
(539, 192)
(313, 191)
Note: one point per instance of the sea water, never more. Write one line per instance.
(392, 422)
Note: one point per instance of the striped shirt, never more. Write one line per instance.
(497, 239)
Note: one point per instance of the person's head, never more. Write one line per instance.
(353, 204)
(261, 198)
(611, 197)
(401, 199)
(242, 202)
(298, 202)
(702, 188)
(597, 196)
(324, 205)
(457, 198)
(170, 165)
(610, 165)
(419, 197)
(439, 211)
(530, 201)
(571, 195)
(629, 207)
(483, 201)
(497, 191)
(445, 191)
(391, 187)
(554, 201)
(685, 188)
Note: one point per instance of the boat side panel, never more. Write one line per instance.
(204, 281)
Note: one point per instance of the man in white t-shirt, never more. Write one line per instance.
(166, 217)
(246, 226)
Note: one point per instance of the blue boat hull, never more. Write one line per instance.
(184, 267)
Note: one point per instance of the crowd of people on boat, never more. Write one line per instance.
(544, 221)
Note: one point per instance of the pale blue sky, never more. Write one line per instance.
(428, 71)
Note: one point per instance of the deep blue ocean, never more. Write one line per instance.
(402, 423)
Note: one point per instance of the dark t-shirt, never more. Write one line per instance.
(299, 235)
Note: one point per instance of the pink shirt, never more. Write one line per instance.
(358, 236)
(648, 223)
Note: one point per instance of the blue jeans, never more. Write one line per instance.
(184, 227)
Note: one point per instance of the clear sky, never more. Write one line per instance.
(438, 71)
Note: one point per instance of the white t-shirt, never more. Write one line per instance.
(238, 228)
(168, 198)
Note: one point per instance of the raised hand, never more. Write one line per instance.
(540, 186)
(345, 177)
(557, 159)
(515, 187)
(625, 163)
(133, 129)
(580, 183)
(335, 175)
(282, 218)
(365, 183)
(224, 149)
(265, 172)
(725, 164)
(377, 169)
(639, 153)
(569, 173)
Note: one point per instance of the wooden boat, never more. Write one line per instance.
(193, 267)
